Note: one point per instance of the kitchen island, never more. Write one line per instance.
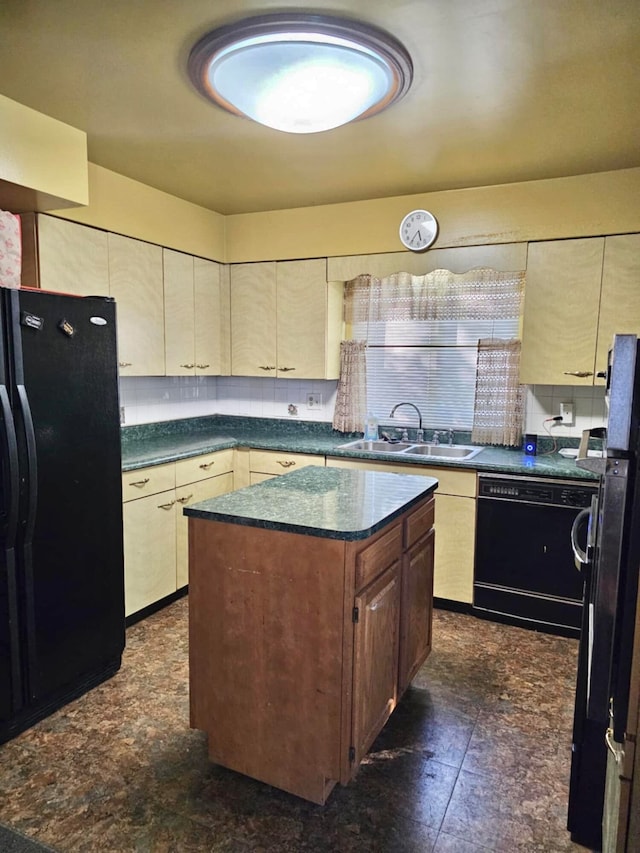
(310, 604)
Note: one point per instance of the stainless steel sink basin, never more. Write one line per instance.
(433, 451)
(444, 451)
(377, 446)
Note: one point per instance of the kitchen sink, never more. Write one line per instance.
(377, 446)
(444, 451)
(433, 451)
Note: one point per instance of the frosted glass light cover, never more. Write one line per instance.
(300, 73)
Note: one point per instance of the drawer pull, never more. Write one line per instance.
(206, 465)
(166, 506)
(288, 464)
(202, 366)
(185, 500)
(267, 367)
(582, 374)
(140, 483)
(124, 364)
(188, 366)
(285, 369)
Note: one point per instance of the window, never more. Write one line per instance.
(422, 336)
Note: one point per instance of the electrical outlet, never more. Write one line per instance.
(314, 401)
(566, 412)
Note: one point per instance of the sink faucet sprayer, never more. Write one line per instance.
(420, 435)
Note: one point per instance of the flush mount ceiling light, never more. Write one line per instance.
(300, 73)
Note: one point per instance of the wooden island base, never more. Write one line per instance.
(300, 646)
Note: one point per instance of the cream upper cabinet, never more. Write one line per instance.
(72, 258)
(620, 301)
(578, 294)
(135, 281)
(253, 319)
(193, 316)
(561, 302)
(211, 326)
(179, 313)
(285, 320)
(309, 320)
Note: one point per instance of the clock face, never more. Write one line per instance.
(418, 230)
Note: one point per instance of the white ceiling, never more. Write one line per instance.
(503, 90)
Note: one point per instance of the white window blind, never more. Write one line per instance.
(422, 336)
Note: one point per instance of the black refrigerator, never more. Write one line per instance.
(62, 624)
(611, 566)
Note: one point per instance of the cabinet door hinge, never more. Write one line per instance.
(352, 754)
(356, 614)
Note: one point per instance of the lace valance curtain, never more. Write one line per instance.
(481, 294)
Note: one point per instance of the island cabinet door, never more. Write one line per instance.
(416, 610)
(375, 663)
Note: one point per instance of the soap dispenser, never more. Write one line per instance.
(371, 428)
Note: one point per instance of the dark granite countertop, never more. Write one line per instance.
(153, 444)
(333, 503)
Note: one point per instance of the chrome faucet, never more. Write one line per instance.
(436, 436)
(450, 434)
(420, 434)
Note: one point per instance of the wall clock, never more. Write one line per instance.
(418, 230)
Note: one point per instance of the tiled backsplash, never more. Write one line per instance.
(543, 401)
(158, 398)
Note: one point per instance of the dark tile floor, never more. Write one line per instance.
(474, 759)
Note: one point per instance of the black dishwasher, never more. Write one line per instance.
(524, 566)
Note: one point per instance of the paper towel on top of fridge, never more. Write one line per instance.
(10, 249)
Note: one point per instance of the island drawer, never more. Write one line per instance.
(419, 522)
(378, 556)
(201, 467)
(277, 462)
(148, 481)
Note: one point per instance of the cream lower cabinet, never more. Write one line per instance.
(155, 530)
(578, 294)
(455, 524)
(252, 466)
(286, 320)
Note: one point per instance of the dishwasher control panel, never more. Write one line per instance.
(555, 492)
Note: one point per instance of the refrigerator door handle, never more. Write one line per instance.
(32, 462)
(580, 556)
(30, 523)
(12, 467)
(11, 448)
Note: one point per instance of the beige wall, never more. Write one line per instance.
(119, 204)
(603, 203)
(43, 162)
(43, 166)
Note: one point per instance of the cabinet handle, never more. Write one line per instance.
(581, 373)
(288, 464)
(202, 366)
(124, 364)
(285, 369)
(184, 500)
(267, 367)
(166, 506)
(140, 483)
(206, 465)
(188, 366)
